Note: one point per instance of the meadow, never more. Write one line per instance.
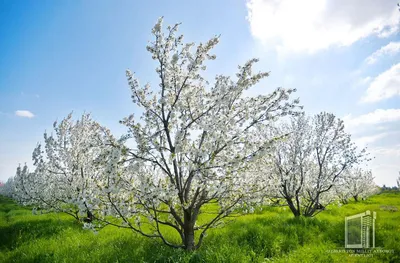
(270, 234)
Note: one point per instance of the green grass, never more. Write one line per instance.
(270, 235)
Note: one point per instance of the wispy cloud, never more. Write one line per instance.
(362, 81)
(379, 116)
(313, 25)
(385, 165)
(24, 114)
(384, 86)
(378, 130)
(393, 151)
(5, 114)
(367, 140)
(390, 49)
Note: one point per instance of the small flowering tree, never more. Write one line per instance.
(2, 191)
(8, 188)
(358, 183)
(196, 145)
(342, 191)
(65, 169)
(24, 188)
(311, 161)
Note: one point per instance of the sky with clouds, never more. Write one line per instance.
(343, 56)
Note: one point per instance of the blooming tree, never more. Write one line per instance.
(342, 191)
(65, 168)
(356, 183)
(8, 188)
(311, 161)
(24, 188)
(196, 144)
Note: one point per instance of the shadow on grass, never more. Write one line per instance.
(127, 248)
(8, 204)
(15, 234)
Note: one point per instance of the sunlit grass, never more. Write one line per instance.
(270, 235)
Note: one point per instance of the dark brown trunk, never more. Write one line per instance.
(295, 211)
(356, 198)
(189, 239)
(188, 231)
(310, 212)
(89, 217)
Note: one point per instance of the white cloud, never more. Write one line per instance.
(390, 49)
(385, 166)
(384, 86)
(312, 25)
(379, 131)
(365, 80)
(366, 140)
(378, 116)
(393, 152)
(24, 114)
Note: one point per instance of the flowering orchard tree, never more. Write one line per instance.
(66, 166)
(24, 188)
(196, 144)
(311, 161)
(28, 187)
(357, 183)
(342, 191)
(8, 188)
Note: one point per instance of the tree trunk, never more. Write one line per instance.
(294, 210)
(188, 231)
(189, 239)
(355, 198)
(89, 217)
(310, 212)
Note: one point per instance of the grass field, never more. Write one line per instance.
(270, 235)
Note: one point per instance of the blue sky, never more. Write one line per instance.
(63, 56)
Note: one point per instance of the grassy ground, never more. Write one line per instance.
(272, 235)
